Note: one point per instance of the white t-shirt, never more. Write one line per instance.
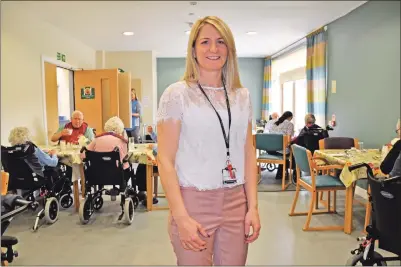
(201, 153)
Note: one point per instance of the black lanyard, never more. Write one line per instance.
(226, 137)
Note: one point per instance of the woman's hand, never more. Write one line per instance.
(188, 230)
(252, 220)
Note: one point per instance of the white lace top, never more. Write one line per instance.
(201, 153)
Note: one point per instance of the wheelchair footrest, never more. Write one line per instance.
(7, 241)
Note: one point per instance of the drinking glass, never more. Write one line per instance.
(131, 143)
(360, 145)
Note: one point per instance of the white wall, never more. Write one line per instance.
(141, 65)
(24, 40)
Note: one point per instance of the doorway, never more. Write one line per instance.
(59, 96)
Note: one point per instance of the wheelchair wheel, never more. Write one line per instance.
(51, 210)
(358, 260)
(136, 201)
(270, 167)
(85, 211)
(98, 202)
(129, 211)
(66, 201)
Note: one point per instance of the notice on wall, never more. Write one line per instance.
(87, 92)
(145, 101)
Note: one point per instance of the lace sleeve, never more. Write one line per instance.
(250, 115)
(170, 105)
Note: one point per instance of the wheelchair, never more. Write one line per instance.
(106, 169)
(385, 198)
(26, 174)
(11, 205)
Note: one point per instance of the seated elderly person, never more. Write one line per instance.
(111, 138)
(150, 134)
(310, 129)
(141, 178)
(21, 136)
(389, 164)
(72, 131)
(272, 119)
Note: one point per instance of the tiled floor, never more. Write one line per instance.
(145, 242)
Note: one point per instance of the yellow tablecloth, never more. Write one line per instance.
(347, 157)
(142, 153)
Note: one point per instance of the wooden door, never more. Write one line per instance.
(51, 93)
(96, 96)
(124, 88)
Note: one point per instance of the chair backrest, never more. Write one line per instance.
(338, 143)
(302, 158)
(270, 141)
(23, 166)
(103, 168)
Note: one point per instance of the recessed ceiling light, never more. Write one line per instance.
(251, 33)
(128, 33)
(188, 32)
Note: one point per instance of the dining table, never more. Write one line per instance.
(141, 153)
(346, 158)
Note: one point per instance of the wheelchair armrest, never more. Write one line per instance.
(126, 158)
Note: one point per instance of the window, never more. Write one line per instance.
(289, 90)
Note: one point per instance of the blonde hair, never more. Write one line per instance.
(310, 118)
(230, 69)
(19, 136)
(114, 124)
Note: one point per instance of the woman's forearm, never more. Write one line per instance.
(251, 183)
(171, 187)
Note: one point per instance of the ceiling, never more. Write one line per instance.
(161, 25)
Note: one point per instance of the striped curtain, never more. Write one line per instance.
(316, 75)
(267, 85)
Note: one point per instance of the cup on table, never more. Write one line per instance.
(131, 143)
(360, 144)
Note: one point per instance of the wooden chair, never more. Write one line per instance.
(274, 142)
(346, 143)
(314, 184)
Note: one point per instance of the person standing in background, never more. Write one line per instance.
(136, 116)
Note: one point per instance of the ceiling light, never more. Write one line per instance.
(128, 33)
(251, 33)
(188, 32)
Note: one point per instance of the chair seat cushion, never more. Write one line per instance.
(323, 181)
(267, 156)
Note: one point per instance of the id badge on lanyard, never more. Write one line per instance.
(228, 172)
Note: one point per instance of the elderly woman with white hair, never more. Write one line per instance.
(111, 138)
(22, 136)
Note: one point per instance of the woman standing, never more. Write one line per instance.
(207, 161)
(136, 116)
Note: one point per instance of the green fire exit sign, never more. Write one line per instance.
(60, 56)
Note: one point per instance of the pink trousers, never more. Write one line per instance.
(221, 212)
